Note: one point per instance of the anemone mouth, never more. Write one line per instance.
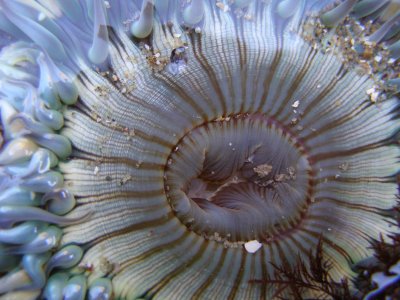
(240, 178)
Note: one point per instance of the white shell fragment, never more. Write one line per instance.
(252, 246)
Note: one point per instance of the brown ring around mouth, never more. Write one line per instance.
(228, 180)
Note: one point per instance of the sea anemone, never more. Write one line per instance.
(240, 149)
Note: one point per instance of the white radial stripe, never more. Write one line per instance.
(256, 76)
(356, 248)
(289, 250)
(267, 38)
(255, 273)
(379, 195)
(342, 219)
(107, 217)
(372, 125)
(118, 249)
(268, 257)
(140, 276)
(157, 237)
(108, 103)
(336, 103)
(380, 162)
(360, 175)
(127, 61)
(243, 292)
(87, 178)
(163, 40)
(202, 91)
(151, 201)
(295, 64)
(223, 284)
(330, 117)
(283, 75)
(190, 280)
(339, 262)
(309, 88)
(182, 98)
(95, 138)
(222, 65)
(187, 282)
(272, 255)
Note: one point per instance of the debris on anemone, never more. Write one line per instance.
(196, 149)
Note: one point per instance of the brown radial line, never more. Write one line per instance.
(333, 123)
(287, 70)
(239, 275)
(342, 153)
(260, 11)
(361, 179)
(349, 205)
(138, 133)
(305, 96)
(156, 124)
(328, 242)
(178, 174)
(242, 59)
(108, 77)
(326, 219)
(298, 244)
(89, 85)
(297, 81)
(383, 142)
(116, 41)
(149, 138)
(84, 155)
(303, 235)
(203, 287)
(182, 94)
(229, 78)
(170, 276)
(81, 106)
(81, 76)
(129, 211)
(285, 243)
(264, 274)
(261, 57)
(203, 96)
(253, 266)
(98, 160)
(291, 228)
(119, 47)
(207, 69)
(287, 133)
(285, 264)
(343, 71)
(134, 227)
(324, 92)
(357, 232)
(165, 28)
(267, 278)
(282, 255)
(215, 13)
(272, 255)
(106, 197)
(129, 162)
(149, 107)
(151, 252)
(268, 78)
